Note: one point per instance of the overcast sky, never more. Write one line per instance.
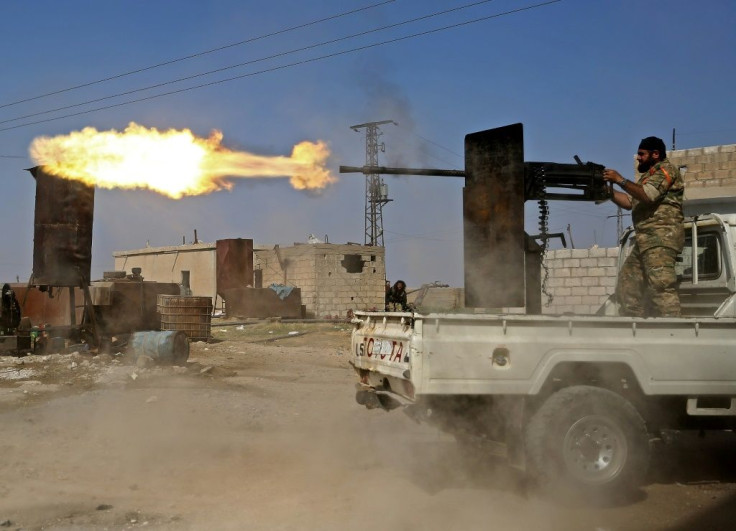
(584, 77)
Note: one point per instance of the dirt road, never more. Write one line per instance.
(263, 433)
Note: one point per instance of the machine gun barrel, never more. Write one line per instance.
(540, 179)
(371, 170)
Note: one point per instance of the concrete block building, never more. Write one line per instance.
(334, 279)
(708, 171)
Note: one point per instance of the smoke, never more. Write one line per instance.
(386, 100)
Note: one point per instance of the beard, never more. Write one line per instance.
(644, 166)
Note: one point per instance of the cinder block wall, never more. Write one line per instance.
(333, 278)
(290, 266)
(350, 277)
(707, 167)
(580, 280)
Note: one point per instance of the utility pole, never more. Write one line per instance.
(619, 223)
(376, 193)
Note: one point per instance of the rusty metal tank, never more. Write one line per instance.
(234, 258)
(62, 235)
(127, 303)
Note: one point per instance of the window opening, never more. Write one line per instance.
(708, 256)
(352, 263)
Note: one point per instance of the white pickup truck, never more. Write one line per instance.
(576, 399)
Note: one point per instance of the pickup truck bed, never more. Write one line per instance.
(516, 354)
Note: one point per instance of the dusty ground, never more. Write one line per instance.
(256, 434)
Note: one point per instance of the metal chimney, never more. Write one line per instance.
(62, 235)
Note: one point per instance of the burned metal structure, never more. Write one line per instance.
(62, 243)
(502, 262)
(62, 235)
(62, 258)
(124, 303)
(234, 264)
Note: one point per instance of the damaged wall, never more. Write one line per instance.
(333, 278)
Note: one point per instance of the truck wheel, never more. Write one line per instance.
(589, 442)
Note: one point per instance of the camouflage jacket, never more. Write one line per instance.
(397, 297)
(659, 224)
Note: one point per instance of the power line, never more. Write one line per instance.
(429, 154)
(198, 54)
(289, 65)
(451, 165)
(246, 63)
(13, 157)
(434, 143)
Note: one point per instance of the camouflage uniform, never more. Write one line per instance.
(647, 282)
(396, 299)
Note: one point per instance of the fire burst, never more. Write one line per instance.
(174, 163)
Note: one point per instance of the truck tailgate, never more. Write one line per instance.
(382, 350)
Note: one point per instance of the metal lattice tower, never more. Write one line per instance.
(376, 194)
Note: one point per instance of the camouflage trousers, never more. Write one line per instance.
(647, 284)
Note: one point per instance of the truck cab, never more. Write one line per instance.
(705, 268)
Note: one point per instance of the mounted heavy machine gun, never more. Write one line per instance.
(502, 262)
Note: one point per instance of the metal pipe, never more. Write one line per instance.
(369, 170)
(694, 248)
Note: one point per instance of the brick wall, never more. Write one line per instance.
(580, 280)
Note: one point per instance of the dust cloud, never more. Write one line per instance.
(269, 437)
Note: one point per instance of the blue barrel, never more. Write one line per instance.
(166, 348)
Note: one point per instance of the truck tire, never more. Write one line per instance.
(587, 442)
